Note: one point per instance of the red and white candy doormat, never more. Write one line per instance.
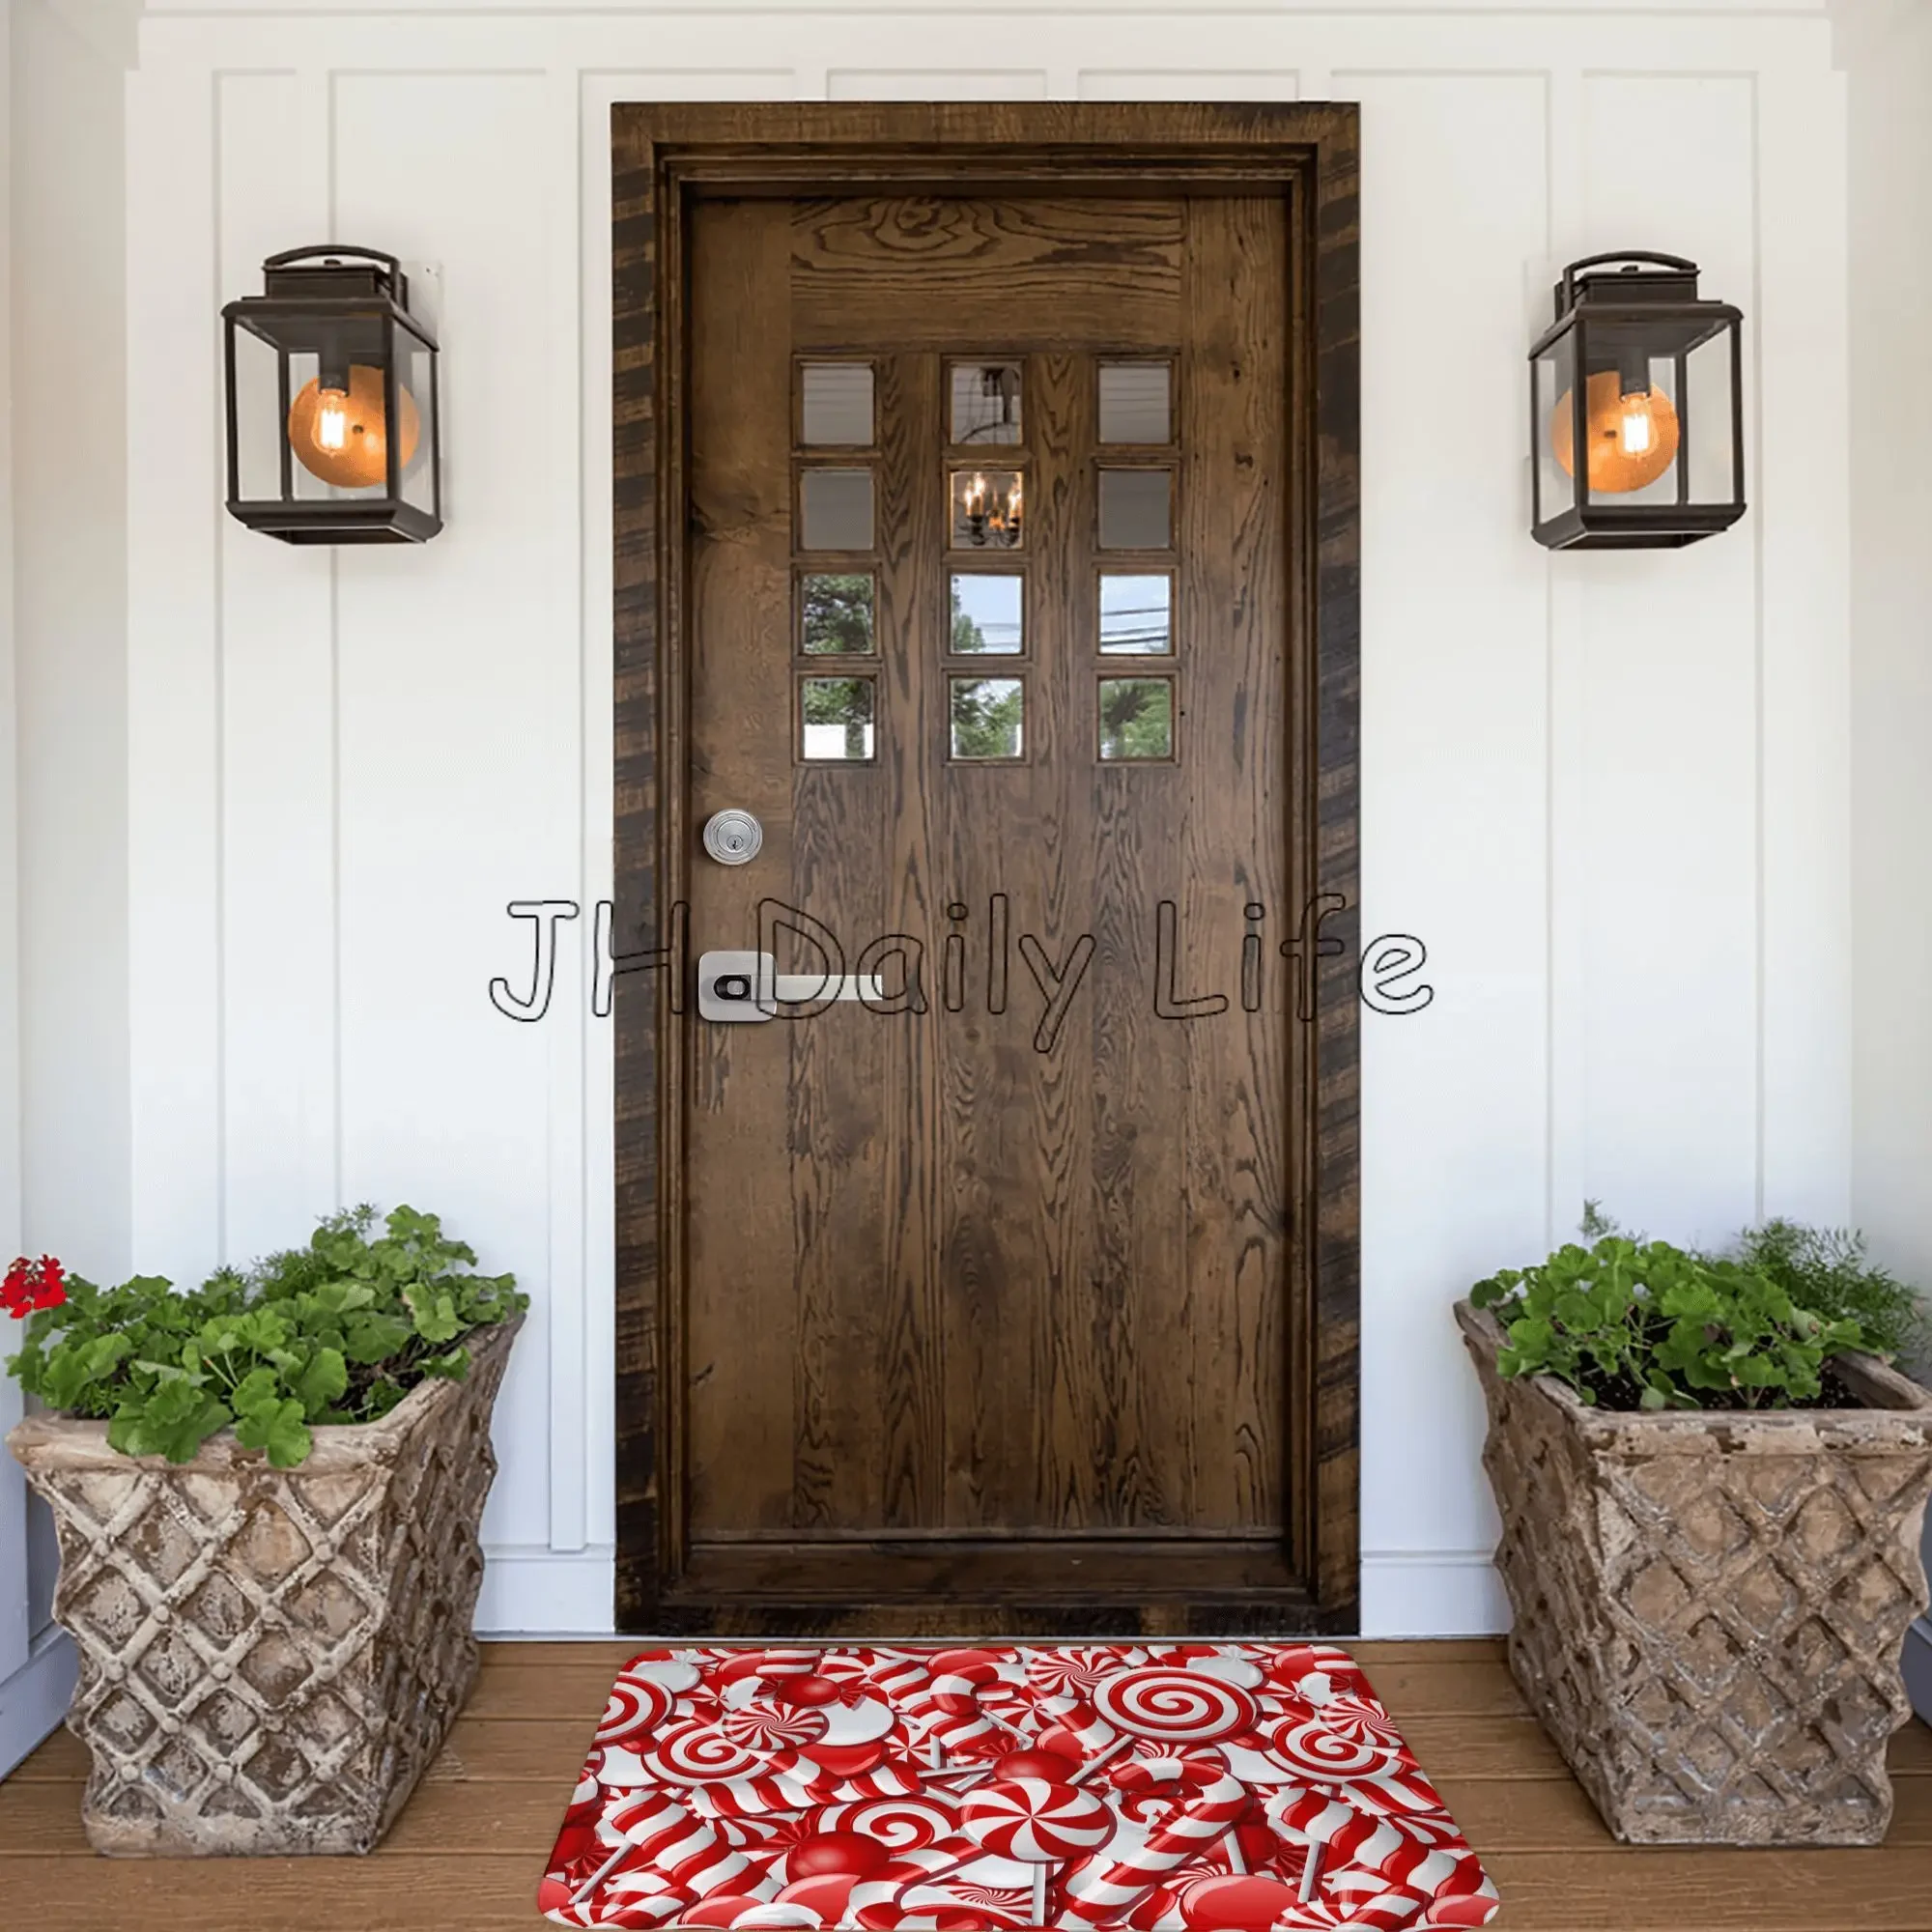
(1236, 1787)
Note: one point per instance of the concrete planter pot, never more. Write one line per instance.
(1710, 1606)
(269, 1658)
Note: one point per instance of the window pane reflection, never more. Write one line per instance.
(985, 402)
(988, 614)
(1135, 510)
(1133, 401)
(835, 403)
(985, 717)
(1136, 718)
(834, 717)
(835, 509)
(1136, 615)
(836, 614)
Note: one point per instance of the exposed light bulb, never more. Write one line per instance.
(1632, 434)
(331, 419)
(1635, 423)
(341, 435)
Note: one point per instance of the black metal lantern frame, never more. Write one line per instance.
(1646, 381)
(335, 424)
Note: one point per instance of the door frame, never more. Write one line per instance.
(663, 158)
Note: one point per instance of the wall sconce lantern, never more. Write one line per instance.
(1649, 382)
(333, 431)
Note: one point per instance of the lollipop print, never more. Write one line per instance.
(1039, 1823)
(1175, 1707)
(1377, 1777)
(1170, 1707)
(636, 1707)
(1132, 1787)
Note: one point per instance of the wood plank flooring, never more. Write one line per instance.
(469, 1852)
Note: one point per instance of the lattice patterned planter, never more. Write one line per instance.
(269, 1658)
(1710, 1607)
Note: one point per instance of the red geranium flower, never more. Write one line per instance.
(29, 1286)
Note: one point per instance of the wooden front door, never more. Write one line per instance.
(987, 1196)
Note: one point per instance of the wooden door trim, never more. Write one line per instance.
(664, 156)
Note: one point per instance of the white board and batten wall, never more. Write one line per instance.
(1610, 793)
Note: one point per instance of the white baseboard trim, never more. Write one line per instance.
(530, 1590)
(1917, 1663)
(1431, 1593)
(35, 1698)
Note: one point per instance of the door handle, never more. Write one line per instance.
(732, 837)
(747, 986)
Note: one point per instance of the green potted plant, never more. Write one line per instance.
(1711, 1496)
(267, 1493)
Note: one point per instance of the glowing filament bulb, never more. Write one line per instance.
(976, 496)
(331, 419)
(1636, 424)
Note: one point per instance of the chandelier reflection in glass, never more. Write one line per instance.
(988, 509)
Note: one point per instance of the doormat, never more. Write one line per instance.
(1235, 1787)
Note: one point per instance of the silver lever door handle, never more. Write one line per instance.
(732, 837)
(745, 986)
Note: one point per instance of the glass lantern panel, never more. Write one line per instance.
(1633, 428)
(1710, 426)
(1555, 489)
(337, 436)
(260, 438)
(417, 404)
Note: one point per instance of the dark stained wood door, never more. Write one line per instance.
(990, 1304)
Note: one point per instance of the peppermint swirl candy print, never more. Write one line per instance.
(770, 1727)
(701, 1754)
(1075, 1671)
(1363, 1721)
(1037, 1821)
(1320, 1757)
(636, 1707)
(1175, 1706)
(899, 1824)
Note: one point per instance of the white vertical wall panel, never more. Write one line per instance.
(1805, 492)
(458, 683)
(1452, 752)
(1671, 851)
(277, 751)
(175, 699)
(1602, 790)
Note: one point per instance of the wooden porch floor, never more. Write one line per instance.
(469, 1851)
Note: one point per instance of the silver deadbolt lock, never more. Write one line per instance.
(734, 838)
